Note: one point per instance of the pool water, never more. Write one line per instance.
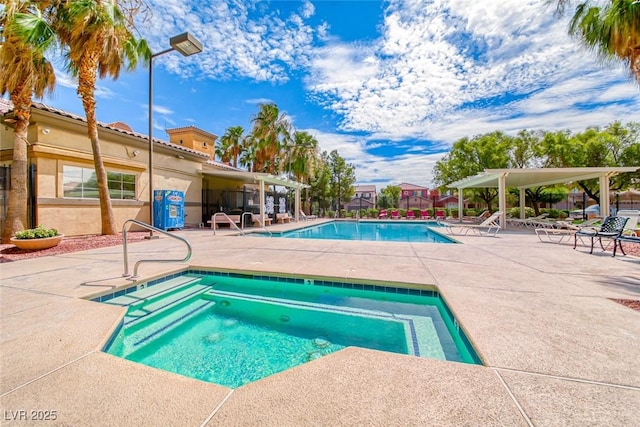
(233, 329)
(387, 231)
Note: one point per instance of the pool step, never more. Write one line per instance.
(150, 293)
(158, 305)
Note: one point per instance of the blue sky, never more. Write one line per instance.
(391, 85)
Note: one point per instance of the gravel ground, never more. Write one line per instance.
(9, 253)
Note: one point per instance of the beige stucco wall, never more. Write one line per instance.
(57, 141)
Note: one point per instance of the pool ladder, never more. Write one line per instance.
(134, 276)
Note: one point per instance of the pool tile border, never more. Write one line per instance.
(306, 281)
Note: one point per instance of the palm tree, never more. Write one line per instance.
(222, 150)
(233, 140)
(24, 72)
(99, 41)
(248, 153)
(612, 30)
(271, 131)
(303, 157)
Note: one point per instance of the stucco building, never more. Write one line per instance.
(61, 179)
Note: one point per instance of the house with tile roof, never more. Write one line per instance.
(416, 197)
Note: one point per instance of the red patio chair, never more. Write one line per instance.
(411, 214)
(395, 215)
(424, 214)
(383, 214)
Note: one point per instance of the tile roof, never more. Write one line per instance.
(117, 126)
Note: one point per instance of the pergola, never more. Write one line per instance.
(261, 179)
(537, 177)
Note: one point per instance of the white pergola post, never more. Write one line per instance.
(604, 196)
(460, 204)
(522, 202)
(297, 203)
(502, 199)
(262, 206)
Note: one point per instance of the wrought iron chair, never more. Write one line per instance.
(611, 228)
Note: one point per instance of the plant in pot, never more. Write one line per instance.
(37, 238)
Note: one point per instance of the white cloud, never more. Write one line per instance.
(440, 67)
(240, 39)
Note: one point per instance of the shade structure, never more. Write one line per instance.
(537, 177)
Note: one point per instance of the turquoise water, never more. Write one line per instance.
(235, 330)
(387, 231)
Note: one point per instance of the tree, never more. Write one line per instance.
(230, 145)
(24, 72)
(389, 197)
(320, 182)
(610, 30)
(99, 41)
(271, 131)
(469, 157)
(343, 178)
(303, 157)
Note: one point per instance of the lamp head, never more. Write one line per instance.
(186, 44)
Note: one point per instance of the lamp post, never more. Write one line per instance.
(187, 45)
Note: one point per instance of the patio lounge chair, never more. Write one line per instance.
(611, 228)
(477, 219)
(440, 215)
(485, 227)
(306, 217)
(395, 215)
(383, 214)
(563, 229)
(632, 224)
(424, 214)
(528, 222)
(411, 214)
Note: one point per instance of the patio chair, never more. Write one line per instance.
(383, 214)
(411, 214)
(395, 215)
(424, 214)
(440, 215)
(624, 238)
(282, 218)
(490, 224)
(611, 228)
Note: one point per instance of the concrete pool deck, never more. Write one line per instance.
(557, 349)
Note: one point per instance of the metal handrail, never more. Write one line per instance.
(152, 228)
(231, 223)
(258, 221)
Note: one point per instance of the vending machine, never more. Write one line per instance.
(168, 209)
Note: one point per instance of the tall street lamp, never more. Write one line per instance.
(187, 45)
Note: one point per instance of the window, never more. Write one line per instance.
(82, 183)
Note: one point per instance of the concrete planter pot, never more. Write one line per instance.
(37, 244)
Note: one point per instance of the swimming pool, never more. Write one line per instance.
(232, 329)
(387, 231)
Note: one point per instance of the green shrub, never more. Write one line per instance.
(515, 212)
(36, 233)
